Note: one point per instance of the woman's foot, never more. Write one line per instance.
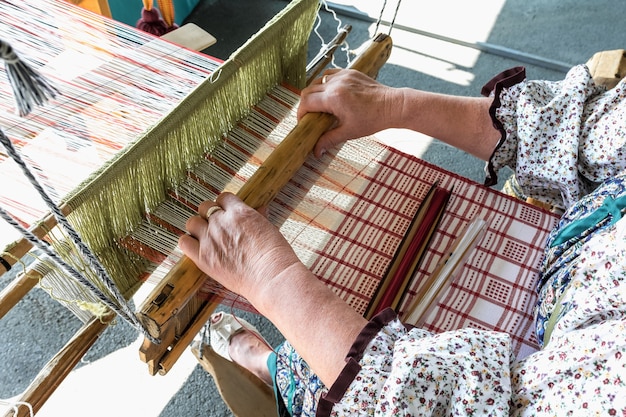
(238, 341)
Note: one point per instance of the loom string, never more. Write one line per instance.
(154, 58)
(30, 88)
(93, 262)
(79, 96)
(324, 44)
(393, 20)
(46, 272)
(45, 248)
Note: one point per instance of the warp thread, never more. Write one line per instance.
(30, 88)
(44, 269)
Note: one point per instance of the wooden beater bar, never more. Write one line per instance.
(161, 312)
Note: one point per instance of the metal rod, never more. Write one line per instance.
(325, 55)
(481, 46)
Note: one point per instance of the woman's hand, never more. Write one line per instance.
(361, 106)
(243, 251)
(236, 245)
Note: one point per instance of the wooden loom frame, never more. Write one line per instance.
(161, 313)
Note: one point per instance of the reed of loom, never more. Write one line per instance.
(167, 307)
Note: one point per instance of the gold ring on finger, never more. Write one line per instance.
(212, 210)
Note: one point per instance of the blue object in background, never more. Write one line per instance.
(129, 11)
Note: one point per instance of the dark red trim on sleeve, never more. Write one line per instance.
(352, 368)
(501, 81)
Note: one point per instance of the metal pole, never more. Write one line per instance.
(481, 46)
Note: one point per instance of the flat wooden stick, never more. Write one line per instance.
(445, 271)
(400, 253)
(440, 201)
(412, 251)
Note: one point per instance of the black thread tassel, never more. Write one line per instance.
(29, 87)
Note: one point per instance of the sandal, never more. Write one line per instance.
(223, 327)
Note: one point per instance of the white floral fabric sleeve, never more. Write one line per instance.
(394, 371)
(562, 138)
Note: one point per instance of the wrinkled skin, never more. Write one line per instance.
(361, 105)
(236, 246)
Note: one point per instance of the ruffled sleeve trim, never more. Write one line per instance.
(352, 367)
(505, 79)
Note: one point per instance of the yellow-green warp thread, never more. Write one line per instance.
(109, 204)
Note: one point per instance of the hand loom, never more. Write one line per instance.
(129, 87)
(169, 128)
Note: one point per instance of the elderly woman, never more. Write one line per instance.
(565, 141)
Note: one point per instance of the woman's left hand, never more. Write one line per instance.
(236, 245)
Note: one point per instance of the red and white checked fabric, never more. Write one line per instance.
(495, 289)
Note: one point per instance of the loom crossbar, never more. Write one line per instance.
(167, 307)
(59, 367)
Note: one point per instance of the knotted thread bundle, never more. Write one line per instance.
(151, 20)
(30, 89)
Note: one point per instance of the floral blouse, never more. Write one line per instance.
(564, 140)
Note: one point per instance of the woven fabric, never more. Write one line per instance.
(345, 215)
(495, 288)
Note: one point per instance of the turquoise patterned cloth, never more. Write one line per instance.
(594, 213)
(294, 383)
